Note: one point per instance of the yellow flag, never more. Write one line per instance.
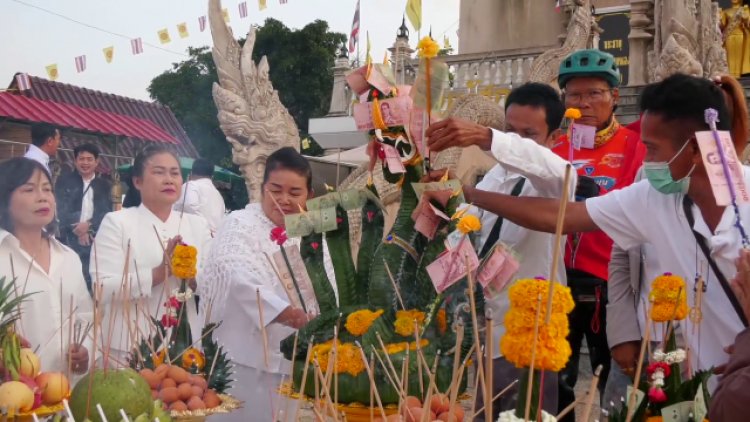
(261, 4)
(368, 57)
(182, 30)
(446, 43)
(414, 13)
(109, 53)
(385, 58)
(52, 71)
(164, 36)
(225, 13)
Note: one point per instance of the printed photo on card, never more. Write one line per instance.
(715, 169)
(395, 112)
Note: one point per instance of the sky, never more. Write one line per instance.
(31, 39)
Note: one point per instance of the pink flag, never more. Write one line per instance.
(243, 9)
(23, 81)
(202, 23)
(136, 45)
(354, 36)
(81, 63)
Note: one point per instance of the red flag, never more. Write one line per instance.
(354, 36)
(23, 81)
(202, 23)
(136, 45)
(243, 9)
(81, 63)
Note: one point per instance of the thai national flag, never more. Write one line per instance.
(23, 81)
(81, 63)
(136, 45)
(243, 9)
(202, 23)
(354, 36)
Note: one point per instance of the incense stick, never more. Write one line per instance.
(592, 390)
(558, 240)
(475, 326)
(631, 397)
(291, 372)
(489, 366)
(370, 374)
(262, 328)
(304, 376)
(497, 396)
(530, 385)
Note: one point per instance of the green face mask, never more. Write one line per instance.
(660, 177)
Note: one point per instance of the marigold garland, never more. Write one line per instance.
(349, 359)
(393, 348)
(553, 349)
(669, 298)
(357, 323)
(183, 261)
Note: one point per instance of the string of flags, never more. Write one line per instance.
(136, 44)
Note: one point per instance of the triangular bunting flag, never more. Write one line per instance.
(136, 45)
(164, 36)
(109, 53)
(182, 30)
(202, 23)
(52, 72)
(225, 13)
(80, 63)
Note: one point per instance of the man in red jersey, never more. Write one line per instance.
(590, 80)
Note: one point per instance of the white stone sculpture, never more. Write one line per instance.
(251, 115)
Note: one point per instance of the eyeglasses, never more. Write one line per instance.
(594, 95)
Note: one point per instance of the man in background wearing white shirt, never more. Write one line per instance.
(200, 196)
(82, 201)
(526, 167)
(45, 140)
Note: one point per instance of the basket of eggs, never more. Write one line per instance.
(187, 396)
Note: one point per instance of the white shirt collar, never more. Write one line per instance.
(36, 153)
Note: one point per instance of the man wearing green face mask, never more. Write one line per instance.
(675, 223)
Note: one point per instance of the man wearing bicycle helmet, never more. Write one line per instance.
(589, 80)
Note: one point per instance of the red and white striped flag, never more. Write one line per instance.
(81, 63)
(354, 36)
(136, 45)
(23, 81)
(243, 9)
(202, 23)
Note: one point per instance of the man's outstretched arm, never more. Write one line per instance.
(533, 213)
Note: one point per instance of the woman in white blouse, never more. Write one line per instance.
(137, 287)
(42, 266)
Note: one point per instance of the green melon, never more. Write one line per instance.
(114, 390)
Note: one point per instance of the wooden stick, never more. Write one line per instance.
(497, 396)
(262, 327)
(70, 337)
(475, 324)
(291, 372)
(631, 397)
(558, 240)
(489, 367)
(327, 392)
(456, 383)
(395, 287)
(371, 375)
(419, 360)
(388, 358)
(101, 412)
(278, 409)
(457, 354)
(304, 376)
(430, 385)
(530, 385)
(571, 406)
(592, 390)
(393, 382)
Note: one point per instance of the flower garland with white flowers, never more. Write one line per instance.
(509, 416)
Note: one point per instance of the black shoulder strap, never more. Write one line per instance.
(687, 205)
(495, 232)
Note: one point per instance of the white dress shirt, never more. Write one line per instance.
(48, 308)
(87, 202)
(236, 267)
(200, 197)
(36, 154)
(638, 214)
(133, 232)
(545, 171)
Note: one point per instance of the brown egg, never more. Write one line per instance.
(168, 382)
(394, 418)
(414, 414)
(195, 403)
(409, 402)
(184, 391)
(151, 378)
(211, 399)
(178, 374)
(179, 406)
(440, 403)
(454, 415)
(161, 370)
(169, 395)
(197, 391)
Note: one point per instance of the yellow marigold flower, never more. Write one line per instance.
(422, 344)
(393, 348)
(441, 320)
(183, 261)
(573, 113)
(357, 323)
(350, 358)
(404, 326)
(669, 298)
(427, 48)
(193, 357)
(411, 314)
(469, 223)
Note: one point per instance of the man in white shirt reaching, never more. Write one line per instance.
(674, 210)
(45, 140)
(200, 196)
(526, 167)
